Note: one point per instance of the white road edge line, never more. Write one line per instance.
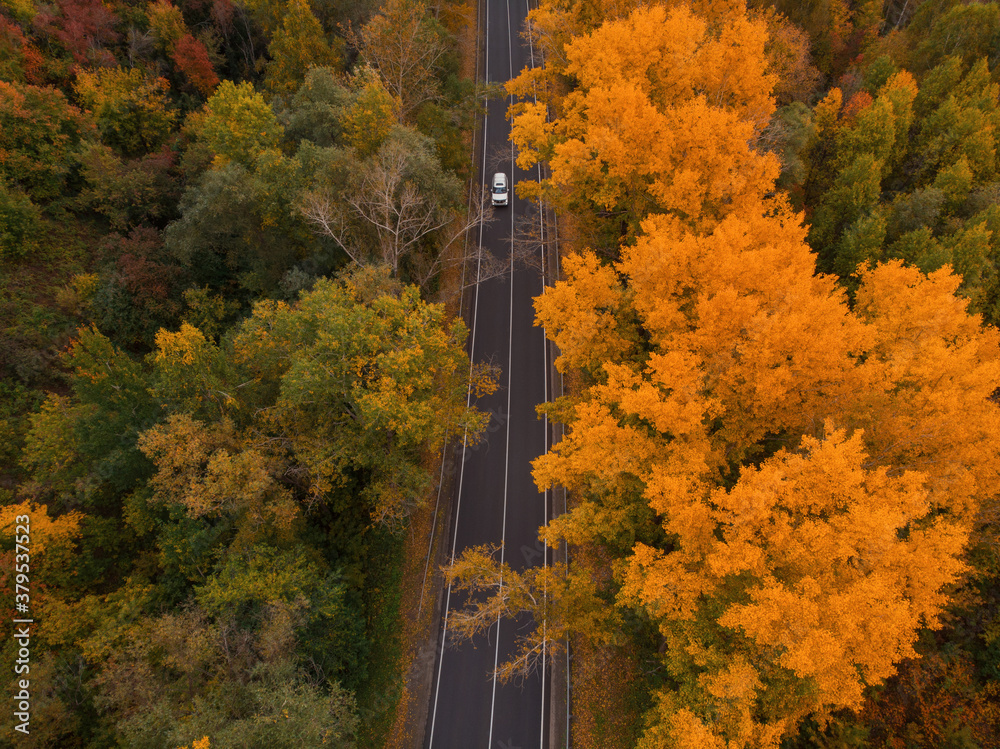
(468, 401)
(444, 447)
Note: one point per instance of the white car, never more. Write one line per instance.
(499, 189)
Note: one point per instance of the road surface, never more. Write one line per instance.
(496, 500)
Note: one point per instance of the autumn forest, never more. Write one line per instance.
(231, 242)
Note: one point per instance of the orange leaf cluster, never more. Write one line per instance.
(813, 471)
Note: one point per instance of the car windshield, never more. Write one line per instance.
(498, 188)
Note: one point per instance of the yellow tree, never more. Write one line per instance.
(298, 44)
(238, 125)
(167, 24)
(38, 555)
(807, 465)
(370, 117)
(554, 23)
(211, 472)
(661, 119)
(785, 484)
(816, 568)
(929, 378)
(132, 109)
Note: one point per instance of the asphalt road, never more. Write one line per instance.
(497, 501)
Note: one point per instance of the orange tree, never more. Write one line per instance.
(785, 484)
(664, 106)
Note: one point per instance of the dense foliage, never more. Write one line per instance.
(217, 414)
(779, 329)
(219, 380)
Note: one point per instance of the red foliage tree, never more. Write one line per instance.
(933, 702)
(83, 27)
(139, 291)
(191, 58)
(19, 60)
(142, 242)
(856, 105)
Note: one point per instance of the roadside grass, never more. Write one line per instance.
(379, 695)
(609, 690)
(418, 618)
(610, 696)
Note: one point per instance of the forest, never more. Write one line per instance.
(224, 356)
(228, 345)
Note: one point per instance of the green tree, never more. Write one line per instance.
(854, 195)
(83, 449)
(371, 377)
(129, 193)
(166, 21)
(861, 243)
(964, 124)
(239, 224)
(19, 223)
(856, 150)
(327, 110)
(133, 111)
(39, 134)
(316, 111)
(180, 676)
(238, 125)
(942, 28)
(881, 130)
(190, 374)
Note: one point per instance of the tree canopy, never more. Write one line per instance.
(785, 474)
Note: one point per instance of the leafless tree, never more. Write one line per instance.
(539, 595)
(387, 218)
(140, 44)
(499, 159)
(532, 237)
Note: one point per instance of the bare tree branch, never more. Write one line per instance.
(405, 50)
(409, 227)
(319, 209)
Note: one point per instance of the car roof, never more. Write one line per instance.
(499, 177)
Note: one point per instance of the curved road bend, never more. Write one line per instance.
(497, 501)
